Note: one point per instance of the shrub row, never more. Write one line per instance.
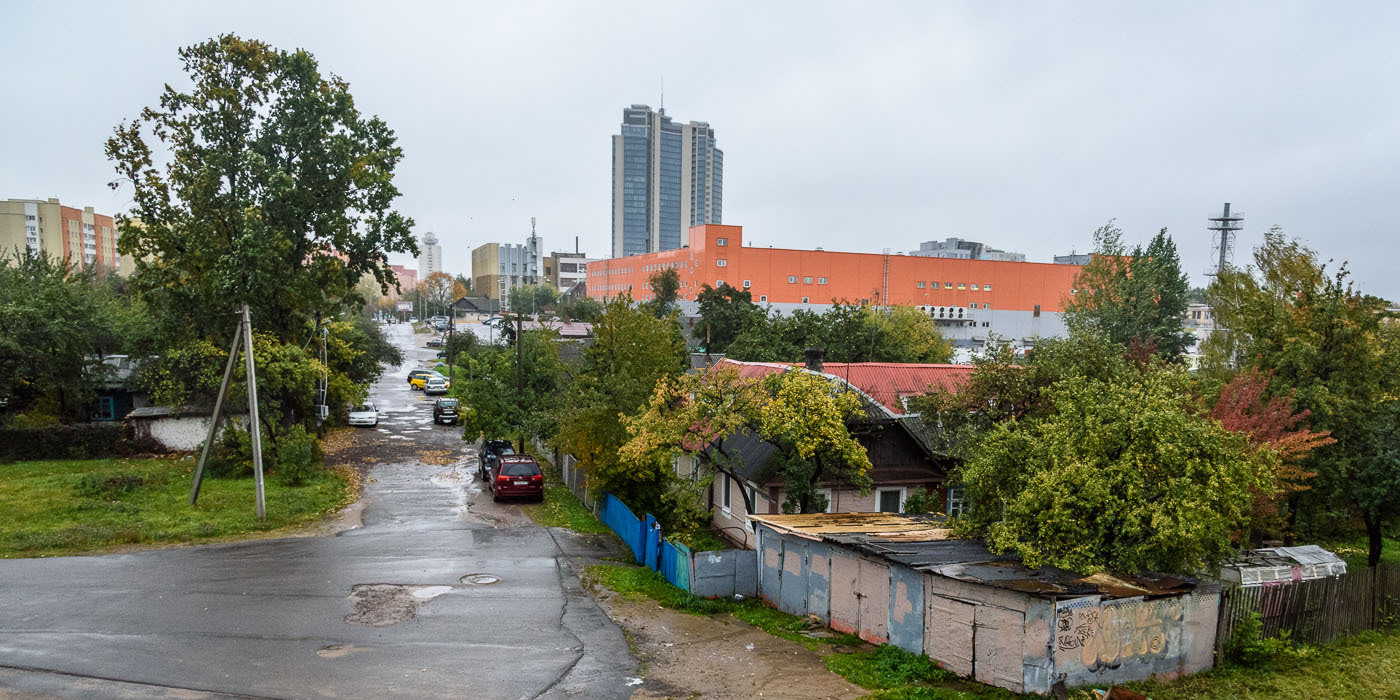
(79, 441)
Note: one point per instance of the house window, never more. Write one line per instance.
(973, 305)
(719, 283)
(792, 279)
(985, 305)
(806, 280)
(889, 500)
(806, 300)
(724, 498)
(947, 285)
(106, 408)
(746, 284)
(956, 505)
(830, 499)
(1036, 313)
(962, 285)
(762, 298)
(923, 285)
(986, 287)
(721, 263)
(721, 241)
(821, 280)
(974, 287)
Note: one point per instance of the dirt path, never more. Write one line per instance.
(718, 657)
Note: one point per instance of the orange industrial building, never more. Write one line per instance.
(1017, 301)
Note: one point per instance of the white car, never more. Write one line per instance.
(435, 385)
(364, 414)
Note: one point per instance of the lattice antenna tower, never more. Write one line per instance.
(1223, 226)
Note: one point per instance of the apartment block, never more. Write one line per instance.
(497, 268)
(81, 236)
(666, 177)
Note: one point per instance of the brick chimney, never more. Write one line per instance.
(814, 358)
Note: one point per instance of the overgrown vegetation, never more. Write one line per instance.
(78, 506)
(561, 508)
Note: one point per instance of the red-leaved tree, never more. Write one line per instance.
(1274, 425)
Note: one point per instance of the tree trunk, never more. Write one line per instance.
(1373, 535)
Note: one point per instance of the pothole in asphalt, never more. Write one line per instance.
(382, 604)
(481, 579)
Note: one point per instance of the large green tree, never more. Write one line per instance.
(632, 350)
(54, 321)
(1333, 349)
(723, 312)
(259, 184)
(1124, 476)
(1135, 297)
(509, 392)
(665, 292)
(806, 416)
(848, 333)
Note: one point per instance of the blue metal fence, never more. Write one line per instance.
(616, 515)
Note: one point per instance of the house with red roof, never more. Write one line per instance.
(747, 482)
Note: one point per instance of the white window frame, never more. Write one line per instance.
(792, 279)
(724, 500)
(763, 298)
(830, 499)
(806, 280)
(897, 489)
(957, 503)
(821, 280)
(721, 262)
(746, 284)
(722, 241)
(806, 300)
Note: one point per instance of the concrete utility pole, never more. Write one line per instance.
(244, 332)
(520, 368)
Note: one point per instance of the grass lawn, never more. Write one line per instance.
(76, 506)
(1355, 549)
(1366, 666)
(561, 508)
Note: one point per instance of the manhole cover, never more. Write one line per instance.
(481, 579)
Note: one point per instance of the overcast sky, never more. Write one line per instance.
(852, 126)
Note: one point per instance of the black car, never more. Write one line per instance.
(418, 373)
(435, 342)
(491, 453)
(445, 411)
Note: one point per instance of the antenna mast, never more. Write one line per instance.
(1224, 225)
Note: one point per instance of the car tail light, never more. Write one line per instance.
(502, 477)
(536, 477)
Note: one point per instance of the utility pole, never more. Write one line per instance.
(245, 333)
(520, 369)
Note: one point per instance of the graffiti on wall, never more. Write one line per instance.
(1107, 633)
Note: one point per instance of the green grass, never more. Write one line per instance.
(561, 508)
(75, 506)
(703, 541)
(1354, 550)
(1366, 666)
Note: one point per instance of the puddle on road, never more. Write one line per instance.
(383, 604)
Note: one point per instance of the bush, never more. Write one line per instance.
(232, 455)
(78, 441)
(1248, 646)
(297, 457)
(922, 502)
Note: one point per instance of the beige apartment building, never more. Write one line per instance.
(81, 236)
(498, 268)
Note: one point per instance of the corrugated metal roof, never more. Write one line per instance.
(916, 542)
(890, 383)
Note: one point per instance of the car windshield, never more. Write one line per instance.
(520, 469)
(448, 403)
(364, 408)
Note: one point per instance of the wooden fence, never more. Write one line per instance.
(1317, 611)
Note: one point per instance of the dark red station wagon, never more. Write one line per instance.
(516, 476)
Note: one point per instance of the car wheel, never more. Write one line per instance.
(495, 498)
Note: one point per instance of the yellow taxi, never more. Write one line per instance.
(419, 381)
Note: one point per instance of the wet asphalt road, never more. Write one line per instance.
(440, 593)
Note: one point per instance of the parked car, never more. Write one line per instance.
(421, 381)
(365, 414)
(445, 411)
(434, 386)
(435, 342)
(516, 476)
(414, 374)
(491, 452)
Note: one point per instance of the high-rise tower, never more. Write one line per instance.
(429, 256)
(666, 178)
